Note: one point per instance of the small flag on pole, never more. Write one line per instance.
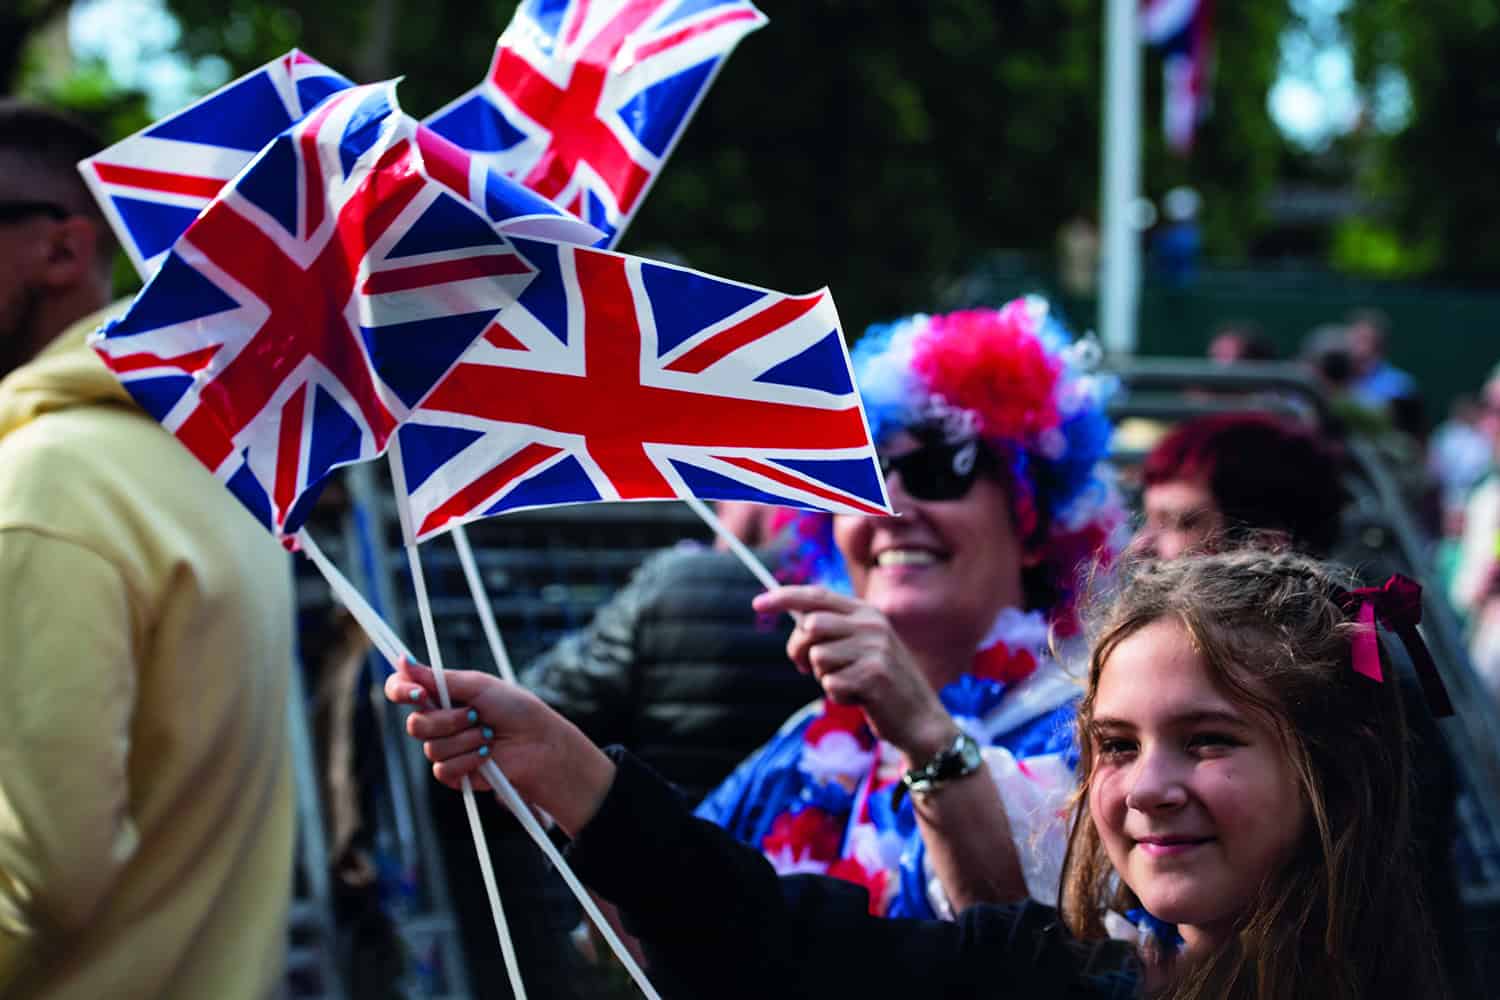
(315, 301)
(1182, 31)
(617, 378)
(584, 101)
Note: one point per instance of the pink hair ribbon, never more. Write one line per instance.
(1398, 605)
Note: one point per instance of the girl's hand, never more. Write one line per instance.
(855, 654)
(547, 758)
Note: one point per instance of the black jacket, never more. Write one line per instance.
(717, 922)
(678, 668)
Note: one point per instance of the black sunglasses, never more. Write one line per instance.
(15, 211)
(937, 471)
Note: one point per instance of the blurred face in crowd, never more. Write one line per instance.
(1489, 412)
(1192, 794)
(1227, 348)
(47, 255)
(21, 241)
(944, 568)
(1180, 515)
(1366, 345)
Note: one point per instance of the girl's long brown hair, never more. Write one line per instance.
(1344, 919)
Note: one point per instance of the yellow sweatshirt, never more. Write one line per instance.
(145, 636)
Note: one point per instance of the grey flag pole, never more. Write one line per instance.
(1119, 293)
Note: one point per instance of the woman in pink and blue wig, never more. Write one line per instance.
(936, 768)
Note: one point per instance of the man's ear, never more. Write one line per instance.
(72, 251)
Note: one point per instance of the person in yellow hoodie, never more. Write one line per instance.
(146, 815)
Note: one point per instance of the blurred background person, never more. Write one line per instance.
(1475, 588)
(1178, 242)
(1459, 455)
(1376, 381)
(1240, 340)
(1227, 474)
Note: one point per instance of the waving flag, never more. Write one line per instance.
(313, 304)
(1182, 30)
(152, 185)
(617, 378)
(584, 100)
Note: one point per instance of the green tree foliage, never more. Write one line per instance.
(19, 21)
(878, 148)
(1437, 172)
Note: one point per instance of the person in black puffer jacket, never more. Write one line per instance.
(679, 668)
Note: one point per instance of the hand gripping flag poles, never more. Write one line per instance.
(338, 279)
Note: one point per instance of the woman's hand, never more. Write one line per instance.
(855, 654)
(547, 758)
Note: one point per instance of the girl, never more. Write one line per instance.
(1242, 780)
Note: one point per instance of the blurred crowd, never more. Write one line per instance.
(1447, 470)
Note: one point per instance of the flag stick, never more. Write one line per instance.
(739, 548)
(512, 798)
(482, 602)
(435, 659)
(390, 646)
(382, 636)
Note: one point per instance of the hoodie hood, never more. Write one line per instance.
(66, 374)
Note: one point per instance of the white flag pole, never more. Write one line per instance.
(1119, 291)
(390, 646)
(482, 603)
(382, 636)
(512, 798)
(729, 538)
(435, 660)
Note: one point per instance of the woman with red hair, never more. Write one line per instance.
(1236, 472)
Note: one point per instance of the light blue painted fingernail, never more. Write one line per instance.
(489, 733)
(473, 716)
(484, 751)
(416, 694)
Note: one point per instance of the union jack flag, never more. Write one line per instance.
(1182, 30)
(617, 378)
(313, 304)
(586, 98)
(153, 184)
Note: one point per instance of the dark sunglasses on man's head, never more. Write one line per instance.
(15, 211)
(937, 471)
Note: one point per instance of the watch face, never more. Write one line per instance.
(971, 753)
(964, 757)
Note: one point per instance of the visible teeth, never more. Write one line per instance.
(905, 557)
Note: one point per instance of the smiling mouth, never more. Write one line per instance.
(1165, 847)
(906, 557)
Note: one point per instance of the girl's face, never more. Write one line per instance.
(1192, 795)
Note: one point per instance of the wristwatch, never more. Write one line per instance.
(955, 761)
